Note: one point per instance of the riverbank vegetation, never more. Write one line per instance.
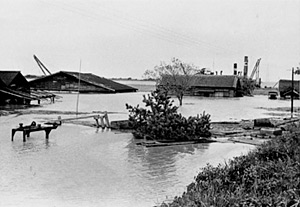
(267, 176)
(160, 120)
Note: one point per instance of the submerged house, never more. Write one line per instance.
(15, 80)
(14, 88)
(207, 85)
(285, 88)
(65, 81)
(216, 86)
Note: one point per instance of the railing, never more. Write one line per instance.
(101, 120)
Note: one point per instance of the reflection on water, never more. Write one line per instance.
(32, 146)
(152, 159)
(81, 167)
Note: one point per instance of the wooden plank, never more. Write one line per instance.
(165, 144)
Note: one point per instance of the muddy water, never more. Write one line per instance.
(83, 166)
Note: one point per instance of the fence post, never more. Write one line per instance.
(106, 119)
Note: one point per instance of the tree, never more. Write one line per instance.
(248, 86)
(159, 120)
(176, 77)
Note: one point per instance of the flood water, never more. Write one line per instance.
(84, 166)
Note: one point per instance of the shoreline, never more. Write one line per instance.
(259, 178)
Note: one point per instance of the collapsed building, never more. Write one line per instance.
(14, 88)
(65, 81)
(289, 87)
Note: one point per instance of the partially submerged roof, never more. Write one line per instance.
(285, 85)
(2, 84)
(290, 92)
(216, 81)
(93, 80)
(8, 76)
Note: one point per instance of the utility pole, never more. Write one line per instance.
(292, 95)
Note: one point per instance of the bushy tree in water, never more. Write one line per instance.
(160, 120)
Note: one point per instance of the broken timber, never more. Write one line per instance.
(101, 120)
(32, 128)
(166, 144)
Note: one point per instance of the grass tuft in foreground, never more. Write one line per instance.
(267, 176)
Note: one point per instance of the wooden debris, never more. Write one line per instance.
(263, 123)
(271, 131)
(32, 128)
(248, 140)
(165, 144)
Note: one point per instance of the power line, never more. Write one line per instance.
(169, 32)
(140, 26)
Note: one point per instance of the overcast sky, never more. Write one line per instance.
(123, 38)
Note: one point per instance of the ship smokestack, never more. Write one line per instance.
(235, 69)
(246, 66)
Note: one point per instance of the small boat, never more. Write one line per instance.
(273, 94)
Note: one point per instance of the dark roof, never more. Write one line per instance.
(2, 84)
(288, 93)
(94, 80)
(8, 76)
(216, 81)
(285, 85)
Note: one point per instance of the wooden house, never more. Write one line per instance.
(15, 80)
(207, 85)
(216, 86)
(14, 88)
(285, 88)
(65, 81)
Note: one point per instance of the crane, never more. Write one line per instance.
(256, 71)
(41, 65)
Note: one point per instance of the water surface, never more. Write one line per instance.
(85, 166)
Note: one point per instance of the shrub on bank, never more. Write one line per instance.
(160, 120)
(267, 176)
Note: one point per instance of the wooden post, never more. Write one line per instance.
(106, 119)
(24, 136)
(47, 131)
(102, 122)
(59, 120)
(97, 122)
(12, 134)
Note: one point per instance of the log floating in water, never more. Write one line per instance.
(173, 143)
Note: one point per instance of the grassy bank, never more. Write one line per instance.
(267, 176)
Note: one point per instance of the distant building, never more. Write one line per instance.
(216, 86)
(285, 88)
(208, 85)
(64, 81)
